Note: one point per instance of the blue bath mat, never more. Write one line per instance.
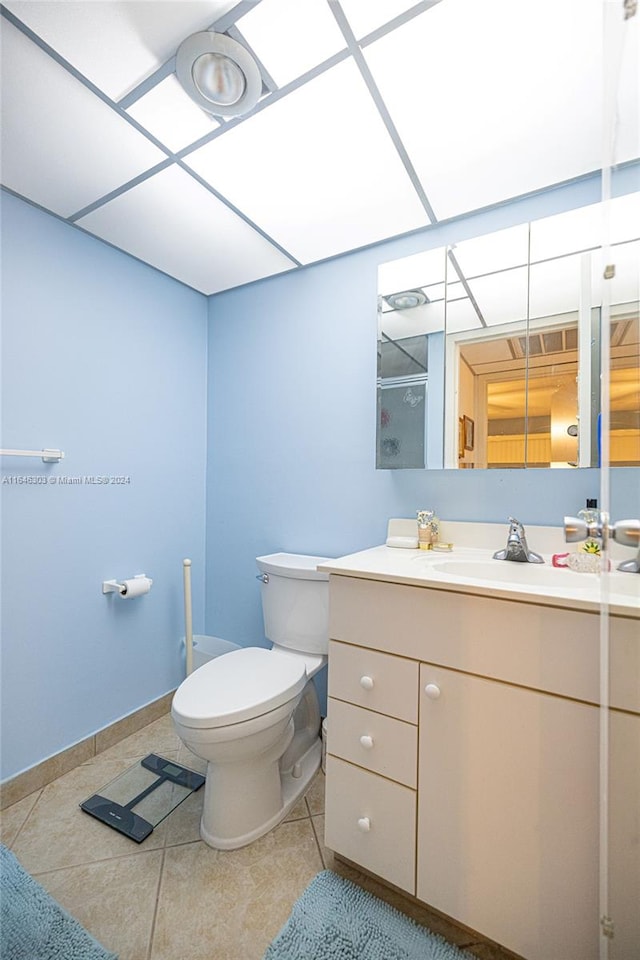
(33, 926)
(336, 920)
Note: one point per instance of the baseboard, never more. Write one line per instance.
(43, 773)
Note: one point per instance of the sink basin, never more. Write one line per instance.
(503, 571)
(541, 575)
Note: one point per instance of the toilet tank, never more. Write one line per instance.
(295, 601)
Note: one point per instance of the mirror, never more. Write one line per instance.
(489, 349)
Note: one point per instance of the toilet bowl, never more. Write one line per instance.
(253, 713)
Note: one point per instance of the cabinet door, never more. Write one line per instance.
(624, 835)
(508, 813)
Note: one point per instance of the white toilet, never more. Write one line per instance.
(253, 714)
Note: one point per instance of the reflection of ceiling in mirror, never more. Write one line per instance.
(506, 400)
(489, 284)
(494, 251)
(624, 389)
(511, 399)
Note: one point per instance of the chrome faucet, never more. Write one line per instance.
(517, 548)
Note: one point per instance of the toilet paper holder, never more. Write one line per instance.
(126, 587)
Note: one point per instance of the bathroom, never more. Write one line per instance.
(240, 423)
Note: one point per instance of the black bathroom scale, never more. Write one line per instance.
(141, 797)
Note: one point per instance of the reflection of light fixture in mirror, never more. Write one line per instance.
(406, 300)
(218, 74)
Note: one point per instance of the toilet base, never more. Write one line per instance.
(292, 789)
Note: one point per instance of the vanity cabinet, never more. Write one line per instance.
(463, 757)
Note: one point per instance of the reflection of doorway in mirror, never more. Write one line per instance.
(524, 416)
(624, 388)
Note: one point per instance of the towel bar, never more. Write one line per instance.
(48, 456)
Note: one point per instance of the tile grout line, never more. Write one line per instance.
(315, 834)
(152, 931)
(39, 792)
(91, 863)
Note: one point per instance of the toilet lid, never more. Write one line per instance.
(238, 686)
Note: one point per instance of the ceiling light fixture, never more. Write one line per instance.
(218, 74)
(406, 300)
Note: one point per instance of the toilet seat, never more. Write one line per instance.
(238, 686)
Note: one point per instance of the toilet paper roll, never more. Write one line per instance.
(136, 587)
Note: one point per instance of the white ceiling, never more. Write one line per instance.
(378, 117)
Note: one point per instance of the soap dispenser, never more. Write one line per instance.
(590, 514)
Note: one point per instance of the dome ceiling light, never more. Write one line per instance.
(218, 74)
(406, 300)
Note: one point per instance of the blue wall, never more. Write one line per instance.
(268, 419)
(291, 434)
(104, 358)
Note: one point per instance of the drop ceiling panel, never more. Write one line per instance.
(290, 37)
(622, 105)
(178, 226)
(316, 170)
(172, 116)
(62, 147)
(496, 118)
(408, 273)
(117, 44)
(364, 16)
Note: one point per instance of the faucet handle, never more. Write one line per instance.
(627, 532)
(575, 529)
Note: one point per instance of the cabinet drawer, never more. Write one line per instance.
(374, 680)
(357, 800)
(382, 744)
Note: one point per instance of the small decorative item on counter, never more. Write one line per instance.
(425, 532)
(435, 530)
(592, 547)
(580, 562)
(585, 562)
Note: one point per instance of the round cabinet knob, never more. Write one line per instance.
(364, 824)
(432, 690)
(366, 683)
(366, 742)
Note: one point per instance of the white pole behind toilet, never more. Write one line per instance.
(188, 624)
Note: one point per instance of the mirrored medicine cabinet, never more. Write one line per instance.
(489, 350)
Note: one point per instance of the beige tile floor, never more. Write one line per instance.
(173, 897)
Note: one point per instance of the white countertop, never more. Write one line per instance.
(472, 569)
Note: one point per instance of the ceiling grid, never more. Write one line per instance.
(377, 118)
